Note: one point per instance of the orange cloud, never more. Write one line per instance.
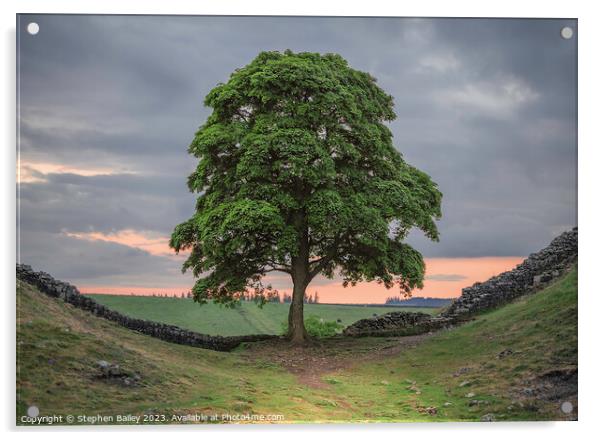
(148, 241)
(35, 172)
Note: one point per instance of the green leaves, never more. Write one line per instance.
(297, 167)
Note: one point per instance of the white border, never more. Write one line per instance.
(590, 162)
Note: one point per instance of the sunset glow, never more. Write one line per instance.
(34, 172)
(445, 278)
(151, 242)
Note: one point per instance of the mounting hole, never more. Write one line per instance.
(33, 28)
(566, 407)
(566, 32)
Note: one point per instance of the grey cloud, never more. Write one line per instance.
(104, 203)
(486, 107)
(99, 262)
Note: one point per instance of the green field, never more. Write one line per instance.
(497, 366)
(245, 319)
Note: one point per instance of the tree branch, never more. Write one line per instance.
(276, 264)
(321, 262)
(277, 269)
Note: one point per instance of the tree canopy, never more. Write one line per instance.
(297, 173)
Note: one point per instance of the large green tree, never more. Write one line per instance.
(297, 173)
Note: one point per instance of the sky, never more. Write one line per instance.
(109, 104)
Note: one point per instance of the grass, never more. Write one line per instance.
(247, 318)
(541, 332)
(59, 346)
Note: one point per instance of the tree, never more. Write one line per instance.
(297, 173)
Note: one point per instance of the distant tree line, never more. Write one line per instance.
(314, 300)
(183, 295)
(420, 301)
(286, 298)
(271, 296)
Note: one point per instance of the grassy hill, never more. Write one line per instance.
(247, 318)
(515, 363)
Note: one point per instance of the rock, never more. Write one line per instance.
(557, 384)
(504, 353)
(465, 383)
(115, 374)
(103, 364)
(447, 404)
(462, 371)
(478, 402)
(469, 395)
(488, 418)
(109, 370)
(431, 410)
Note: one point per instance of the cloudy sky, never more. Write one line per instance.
(109, 105)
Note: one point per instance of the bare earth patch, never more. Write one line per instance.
(311, 362)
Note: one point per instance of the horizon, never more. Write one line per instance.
(479, 270)
(179, 296)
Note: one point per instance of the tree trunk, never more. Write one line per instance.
(296, 325)
(301, 278)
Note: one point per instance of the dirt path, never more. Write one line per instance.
(312, 362)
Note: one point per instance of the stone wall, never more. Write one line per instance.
(535, 272)
(395, 324)
(171, 333)
(538, 270)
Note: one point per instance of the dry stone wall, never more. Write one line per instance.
(538, 270)
(171, 333)
(394, 324)
(533, 273)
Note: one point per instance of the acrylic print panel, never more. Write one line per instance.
(376, 218)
